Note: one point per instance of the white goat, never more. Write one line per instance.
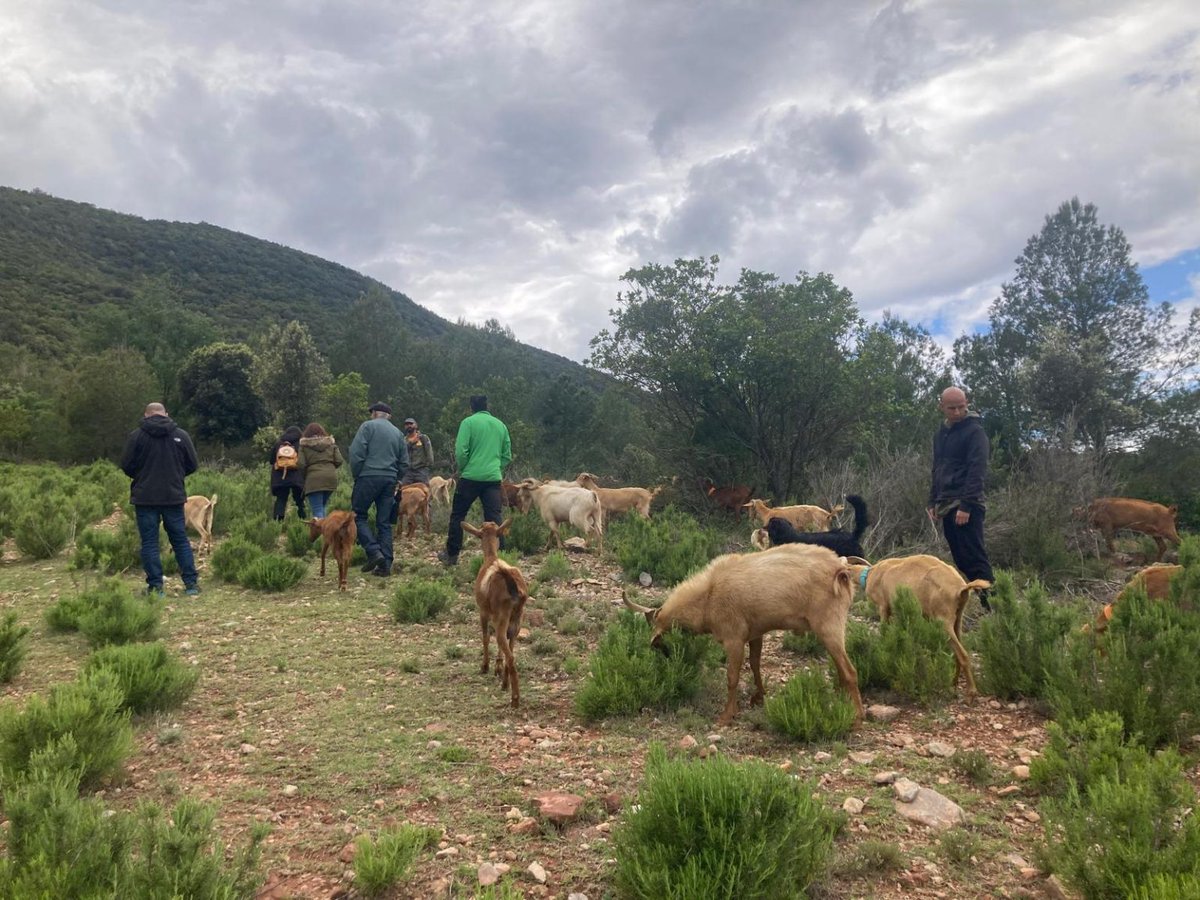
(559, 503)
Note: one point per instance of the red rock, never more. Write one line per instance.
(558, 807)
(612, 803)
(347, 854)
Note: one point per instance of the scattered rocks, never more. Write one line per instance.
(527, 825)
(612, 803)
(822, 756)
(906, 791)
(1008, 790)
(577, 896)
(884, 778)
(1021, 772)
(539, 874)
(447, 853)
(1016, 860)
(853, 805)
(645, 579)
(559, 808)
(928, 807)
(1032, 815)
(488, 874)
(290, 790)
(863, 757)
(687, 742)
(938, 748)
(347, 854)
(881, 713)
(247, 749)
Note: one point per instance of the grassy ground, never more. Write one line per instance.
(375, 724)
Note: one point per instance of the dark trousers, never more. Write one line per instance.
(966, 545)
(467, 491)
(171, 517)
(281, 498)
(379, 490)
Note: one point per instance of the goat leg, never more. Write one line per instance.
(483, 627)
(756, 668)
(735, 652)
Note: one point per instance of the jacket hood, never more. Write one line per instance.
(973, 420)
(318, 442)
(158, 426)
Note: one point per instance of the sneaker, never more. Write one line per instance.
(193, 591)
(446, 559)
(384, 571)
(155, 593)
(372, 564)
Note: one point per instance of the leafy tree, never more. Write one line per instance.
(374, 343)
(105, 398)
(564, 413)
(1076, 349)
(289, 371)
(215, 386)
(343, 406)
(756, 373)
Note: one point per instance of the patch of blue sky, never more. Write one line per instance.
(1173, 280)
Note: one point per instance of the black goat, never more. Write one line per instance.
(843, 543)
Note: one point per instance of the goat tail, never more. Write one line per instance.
(979, 584)
(516, 592)
(212, 501)
(347, 527)
(860, 514)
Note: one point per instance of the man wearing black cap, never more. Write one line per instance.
(377, 457)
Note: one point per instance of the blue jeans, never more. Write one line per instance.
(379, 490)
(171, 517)
(317, 500)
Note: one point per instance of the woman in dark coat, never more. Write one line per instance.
(319, 462)
(285, 473)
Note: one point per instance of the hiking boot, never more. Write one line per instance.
(372, 564)
(193, 591)
(446, 559)
(384, 571)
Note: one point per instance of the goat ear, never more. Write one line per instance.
(857, 561)
(503, 529)
(470, 529)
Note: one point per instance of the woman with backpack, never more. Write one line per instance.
(319, 462)
(285, 472)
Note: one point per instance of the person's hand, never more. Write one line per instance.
(962, 517)
(932, 514)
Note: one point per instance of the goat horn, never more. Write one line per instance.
(631, 605)
(856, 561)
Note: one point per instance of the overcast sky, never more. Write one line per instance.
(514, 159)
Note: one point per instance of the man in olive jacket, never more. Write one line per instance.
(482, 451)
(960, 460)
(377, 457)
(158, 456)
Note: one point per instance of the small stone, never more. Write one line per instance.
(290, 790)
(577, 896)
(1032, 815)
(247, 749)
(645, 579)
(347, 854)
(906, 790)
(488, 874)
(1029, 873)
(558, 807)
(503, 869)
(1016, 860)
(710, 750)
(539, 874)
(822, 756)
(687, 742)
(527, 825)
(786, 765)
(1021, 772)
(884, 778)
(995, 704)
(514, 814)
(447, 853)
(863, 757)
(932, 809)
(853, 805)
(881, 713)
(575, 543)
(1008, 789)
(713, 738)
(938, 748)
(612, 803)
(1054, 888)
(433, 745)
(523, 634)
(1024, 754)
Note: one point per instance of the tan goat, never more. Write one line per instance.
(1112, 514)
(740, 597)
(441, 489)
(615, 501)
(500, 595)
(564, 503)
(1155, 580)
(802, 517)
(338, 532)
(414, 502)
(941, 590)
(198, 515)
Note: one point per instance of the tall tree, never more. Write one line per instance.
(1074, 332)
(343, 406)
(374, 343)
(756, 374)
(289, 371)
(217, 391)
(106, 395)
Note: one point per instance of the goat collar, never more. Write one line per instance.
(862, 578)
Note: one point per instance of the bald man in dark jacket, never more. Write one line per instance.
(158, 456)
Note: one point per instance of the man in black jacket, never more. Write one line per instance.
(158, 456)
(960, 458)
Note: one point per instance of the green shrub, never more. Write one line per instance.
(916, 652)
(150, 677)
(112, 551)
(501, 890)
(718, 829)
(809, 708)
(420, 600)
(80, 727)
(1082, 751)
(383, 861)
(572, 623)
(974, 764)
(233, 557)
(1164, 887)
(671, 546)
(111, 614)
(273, 573)
(61, 845)
(958, 846)
(43, 530)
(555, 565)
(1017, 643)
(1145, 668)
(627, 675)
(262, 533)
(804, 643)
(1120, 830)
(509, 556)
(862, 646)
(870, 857)
(14, 644)
(64, 614)
(297, 540)
(527, 533)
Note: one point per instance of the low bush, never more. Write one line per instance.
(381, 862)
(273, 573)
(110, 614)
(14, 645)
(61, 845)
(1130, 823)
(420, 600)
(911, 654)
(719, 829)
(296, 539)
(1145, 668)
(232, 558)
(64, 613)
(862, 646)
(262, 533)
(112, 551)
(1017, 643)
(627, 675)
(810, 708)
(671, 546)
(150, 677)
(1164, 887)
(1083, 751)
(81, 727)
(527, 533)
(45, 529)
(871, 857)
(975, 765)
(804, 644)
(555, 565)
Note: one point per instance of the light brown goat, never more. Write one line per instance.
(940, 589)
(414, 501)
(441, 489)
(615, 501)
(801, 517)
(740, 597)
(564, 503)
(198, 514)
(1112, 514)
(500, 595)
(338, 532)
(1155, 580)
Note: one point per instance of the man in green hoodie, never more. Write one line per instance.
(482, 451)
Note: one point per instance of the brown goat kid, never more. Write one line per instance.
(500, 594)
(1154, 580)
(740, 597)
(198, 515)
(338, 532)
(414, 502)
(939, 587)
(732, 498)
(615, 501)
(1112, 514)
